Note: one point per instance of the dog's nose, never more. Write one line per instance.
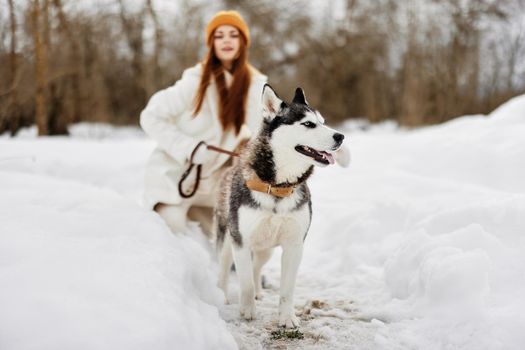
(339, 137)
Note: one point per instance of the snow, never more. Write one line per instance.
(83, 266)
(417, 245)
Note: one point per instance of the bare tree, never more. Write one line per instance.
(155, 59)
(133, 26)
(12, 54)
(12, 104)
(75, 60)
(41, 67)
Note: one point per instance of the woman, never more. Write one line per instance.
(216, 101)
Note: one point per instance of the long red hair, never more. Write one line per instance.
(232, 101)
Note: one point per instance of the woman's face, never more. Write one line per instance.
(226, 43)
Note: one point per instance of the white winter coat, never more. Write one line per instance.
(169, 121)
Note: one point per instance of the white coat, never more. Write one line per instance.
(168, 119)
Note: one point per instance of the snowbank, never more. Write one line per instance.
(426, 232)
(84, 267)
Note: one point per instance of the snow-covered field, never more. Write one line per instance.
(419, 244)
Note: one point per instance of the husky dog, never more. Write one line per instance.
(264, 200)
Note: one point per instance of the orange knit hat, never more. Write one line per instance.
(232, 18)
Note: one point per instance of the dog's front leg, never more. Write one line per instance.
(290, 261)
(243, 265)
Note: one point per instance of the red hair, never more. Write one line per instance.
(232, 101)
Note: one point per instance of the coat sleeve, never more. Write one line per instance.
(164, 108)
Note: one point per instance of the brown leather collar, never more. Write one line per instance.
(260, 186)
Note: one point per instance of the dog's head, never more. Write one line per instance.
(298, 129)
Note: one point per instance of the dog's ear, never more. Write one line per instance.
(270, 101)
(299, 97)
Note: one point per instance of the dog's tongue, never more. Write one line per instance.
(328, 157)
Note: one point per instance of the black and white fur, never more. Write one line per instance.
(249, 224)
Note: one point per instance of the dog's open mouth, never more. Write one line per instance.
(319, 156)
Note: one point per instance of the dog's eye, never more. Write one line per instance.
(309, 125)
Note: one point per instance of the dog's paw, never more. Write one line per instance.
(248, 311)
(288, 321)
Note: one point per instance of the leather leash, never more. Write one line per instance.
(254, 184)
(199, 168)
(220, 150)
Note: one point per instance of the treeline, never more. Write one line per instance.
(418, 61)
